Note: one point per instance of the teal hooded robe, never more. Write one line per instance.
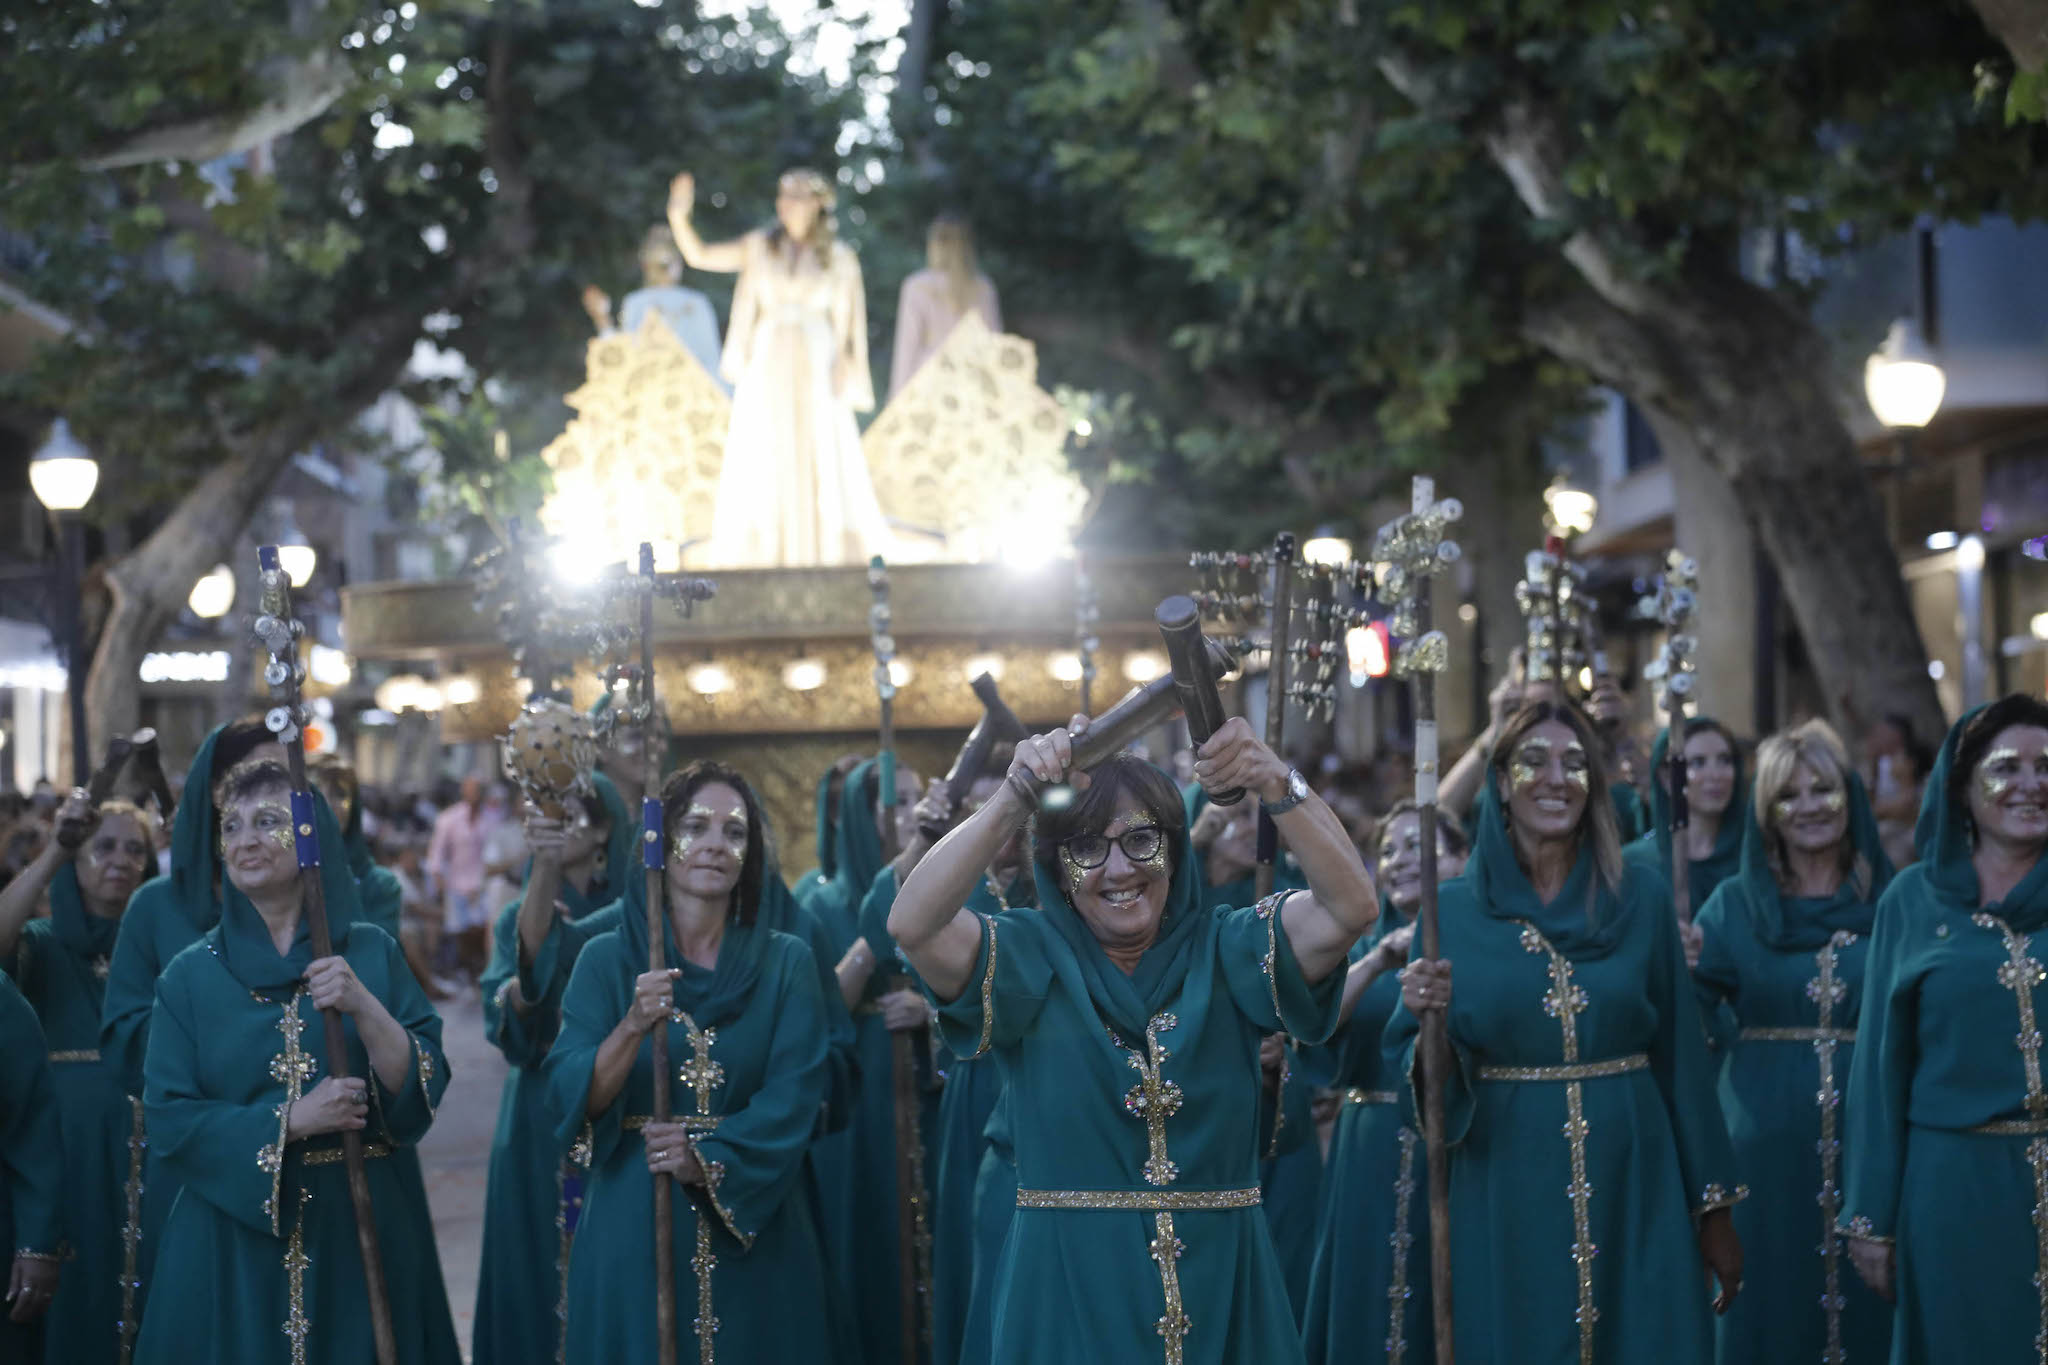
(749, 1267)
(1369, 1298)
(1653, 850)
(259, 1259)
(1134, 1108)
(1585, 1139)
(60, 964)
(34, 1197)
(533, 1195)
(1946, 1141)
(1790, 970)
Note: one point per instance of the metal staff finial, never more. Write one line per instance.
(1676, 604)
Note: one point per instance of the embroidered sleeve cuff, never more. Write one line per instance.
(1269, 911)
(1861, 1229)
(1719, 1196)
(714, 1176)
(270, 1160)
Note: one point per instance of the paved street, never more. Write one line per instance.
(456, 1154)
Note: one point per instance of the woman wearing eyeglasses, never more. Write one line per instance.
(1126, 1020)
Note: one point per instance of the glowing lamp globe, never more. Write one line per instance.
(62, 472)
(1903, 382)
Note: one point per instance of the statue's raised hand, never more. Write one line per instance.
(682, 194)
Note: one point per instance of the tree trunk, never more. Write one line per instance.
(150, 584)
(1737, 378)
(1734, 379)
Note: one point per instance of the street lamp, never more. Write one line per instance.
(295, 554)
(1903, 381)
(64, 474)
(214, 594)
(1570, 510)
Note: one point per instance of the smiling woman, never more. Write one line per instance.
(1148, 1195)
(746, 1019)
(60, 964)
(1946, 1146)
(1580, 1109)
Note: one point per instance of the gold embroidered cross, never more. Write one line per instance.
(700, 1073)
(1152, 1100)
(2020, 973)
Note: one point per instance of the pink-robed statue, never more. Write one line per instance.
(935, 299)
(794, 489)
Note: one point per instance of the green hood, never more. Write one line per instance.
(1726, 859)
(1803, 924)
(1946, 845)
(246, 947)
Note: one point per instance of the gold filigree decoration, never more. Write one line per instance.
(988, 984)
(78, 1055)
(1269, 911)
(1576, 1071)
(562, 1244)
(1565, 1001)
(1400, 1240)
(1153, 1100)
(971, 443)
(2020, 973)
(1167, 1249)
(700, 1073)
(640, 459)
(131, 1231)
(291, 1068)
(297, 1326)
(702, 1264)
(1827, 990)
(1356, 1095)
(425, 1063)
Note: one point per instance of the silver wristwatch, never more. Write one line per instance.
(1297, 792)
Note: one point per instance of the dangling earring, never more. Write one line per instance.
(597, 861)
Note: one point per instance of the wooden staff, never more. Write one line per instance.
(1677, 605)
(73, 833)
(1087, 613)
(1194, 677)
(1414, 550)
(280, 633)
(911, 1299)
(654, 857)
(1282, 643)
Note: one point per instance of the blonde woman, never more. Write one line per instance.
(935, 298)
(1783, 944)
(795, 488)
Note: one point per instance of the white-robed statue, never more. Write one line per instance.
(794, 489)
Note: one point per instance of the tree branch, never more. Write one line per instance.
(296, 92)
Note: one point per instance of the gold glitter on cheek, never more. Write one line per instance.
(1781, 810)
(1074, 872)
(682, 846)
(1834, 801)
(1578, 772)
(1997, 773)
(1527, 767)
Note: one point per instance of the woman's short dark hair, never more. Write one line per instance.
(2000, 716)
(593, 808)
(1598, 819)
(675, 800)
(250, 778)
(1449, 828)
(1091, 811)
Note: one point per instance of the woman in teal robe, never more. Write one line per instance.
(534, 1195)
(33, 1195)
(1783, 948)
(166, 915)
(825, 836)
(1717, 804)
(1127, 1022)
(1369, 1288)
(60, 964)
(1591, 1174)
(748, 1038)
(1946, 1143)
(259, 1260)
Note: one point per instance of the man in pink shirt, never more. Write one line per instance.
(455, 860)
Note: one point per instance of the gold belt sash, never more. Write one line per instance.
(1575, 1071)
(329, 1156)
(86, 1054)
(2011, 1128)
(696, 1123)
(1357, 1096)
(1145, 1201)
(1797, 1035)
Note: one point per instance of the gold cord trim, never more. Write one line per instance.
(81, 1054)
(988, 992)
(131, 1233)
(1576, 1071)
(425, 1061)
(702, 1263)
(1799, 1035)
(1167, 1249)
(1269, 911)
(1400, 1240)
(1143, 1201)
(1357, 1096)
(291, 1068)
(562, 1243)
(2010, 1128)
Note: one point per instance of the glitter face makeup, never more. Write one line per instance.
(1530, 762)
(702, 822)
(1578, 769)
(1998, 772)
(269, 818)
